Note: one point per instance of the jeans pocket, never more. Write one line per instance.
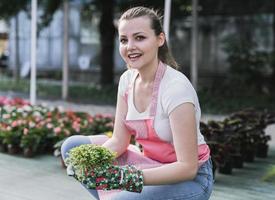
(205, 176)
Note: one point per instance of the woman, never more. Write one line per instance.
(158, 105)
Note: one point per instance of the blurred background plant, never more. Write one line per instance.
(38, 129)
(270, 175)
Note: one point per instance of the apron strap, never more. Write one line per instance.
(159, 74)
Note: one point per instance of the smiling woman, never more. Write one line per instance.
(159, 107)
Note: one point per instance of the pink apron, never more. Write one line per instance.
(153, 146)
(156, 151)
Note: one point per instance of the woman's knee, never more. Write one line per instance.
(73, 141)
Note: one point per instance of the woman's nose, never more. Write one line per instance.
(131, 45)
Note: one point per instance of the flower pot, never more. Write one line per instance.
(3, 148)
(28, 152)
(249, 155)
(262, 150)
(214, 168)
(237, 160)
(226, 168)
(13, 149)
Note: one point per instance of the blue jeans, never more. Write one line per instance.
(199, 188)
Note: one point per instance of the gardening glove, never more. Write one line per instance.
(112, 177)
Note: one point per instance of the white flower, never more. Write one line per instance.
(6, 116)
(31, 124)
(27, 108)
(36, 114)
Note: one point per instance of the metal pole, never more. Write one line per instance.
(33, 52)
(166, 20)
(194, 44)
(65, 51)
(16, 69)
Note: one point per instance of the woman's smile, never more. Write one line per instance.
(134, 56)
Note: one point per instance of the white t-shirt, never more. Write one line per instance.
(175, 89)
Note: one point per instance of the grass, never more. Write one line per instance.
(226, 102)
(78, 92)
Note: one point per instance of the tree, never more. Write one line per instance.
(107, 36)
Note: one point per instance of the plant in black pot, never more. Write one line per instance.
(12, 140)
(30, 141)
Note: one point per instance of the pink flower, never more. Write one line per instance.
(37, 119)
(14, 124)
(49, 125)
(107, 115)
(25, 131)
(76, 126)
(57, 130)
(99, 116)
(90, 119)
(6, 116)
(110, 124)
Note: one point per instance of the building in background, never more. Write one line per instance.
(84, 43)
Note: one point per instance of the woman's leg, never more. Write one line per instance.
(77, 140)
(198, 189)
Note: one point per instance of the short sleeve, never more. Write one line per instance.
(124, 82)
(177, 93)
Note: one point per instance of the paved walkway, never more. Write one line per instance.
(42, 177)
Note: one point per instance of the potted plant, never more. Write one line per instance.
(3, 147)
(262, 146)
(87, 157)
(30, 141)
(12, 140)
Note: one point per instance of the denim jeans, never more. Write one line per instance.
(199, 188)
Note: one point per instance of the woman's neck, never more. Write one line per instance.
(147, 74)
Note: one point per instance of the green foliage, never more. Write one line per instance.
(247, 64)
(38, 128)
(49, 7)
(270, 175)
(225, 97)
(11, 8)
(87, 157)
(84, 93)
(33, 139)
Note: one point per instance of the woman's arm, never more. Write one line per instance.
(121, 138)
(183, 126)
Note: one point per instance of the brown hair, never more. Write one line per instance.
(164, 52)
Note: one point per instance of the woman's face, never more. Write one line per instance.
(138, 42)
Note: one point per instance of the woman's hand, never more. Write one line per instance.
(112, 177)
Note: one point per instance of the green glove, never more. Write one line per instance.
(113, 177)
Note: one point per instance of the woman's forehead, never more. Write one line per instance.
(139, 24)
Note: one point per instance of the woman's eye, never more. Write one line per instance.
(139, 38)
(123, 40)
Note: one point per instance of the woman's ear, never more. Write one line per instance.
(161, 39)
